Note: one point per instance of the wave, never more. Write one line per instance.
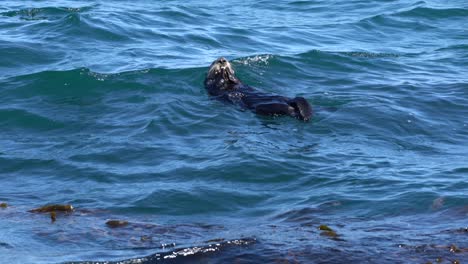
(314, 64)
(346, 55)
(66, 24)
(11, 118)
(389, 21)
(208, 200)
(20, 56)
(456, 47)
(411, 18)
(82, 81)
(434, 13)
(45, 13)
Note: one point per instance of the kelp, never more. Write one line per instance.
(67, 208)
(116, 223)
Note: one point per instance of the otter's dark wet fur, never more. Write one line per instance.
(222, 83)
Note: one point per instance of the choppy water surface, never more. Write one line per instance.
(103, 107)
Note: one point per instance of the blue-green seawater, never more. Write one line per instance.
(103, 107)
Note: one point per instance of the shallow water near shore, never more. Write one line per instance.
(103, 107)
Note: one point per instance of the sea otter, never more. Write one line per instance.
(222, 83)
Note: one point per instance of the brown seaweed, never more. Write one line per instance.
(145, 238)
(3, 205)
(53, 207)
(328, 232)
(116, 223)
(325, 228)
(53, 216)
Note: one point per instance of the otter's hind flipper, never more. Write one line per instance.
(302, 108)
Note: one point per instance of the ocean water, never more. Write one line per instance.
(103, 107)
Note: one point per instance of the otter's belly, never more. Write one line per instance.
(252, 100)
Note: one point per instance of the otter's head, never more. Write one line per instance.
(220, 75)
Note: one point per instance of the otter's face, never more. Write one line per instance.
(221, 73)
